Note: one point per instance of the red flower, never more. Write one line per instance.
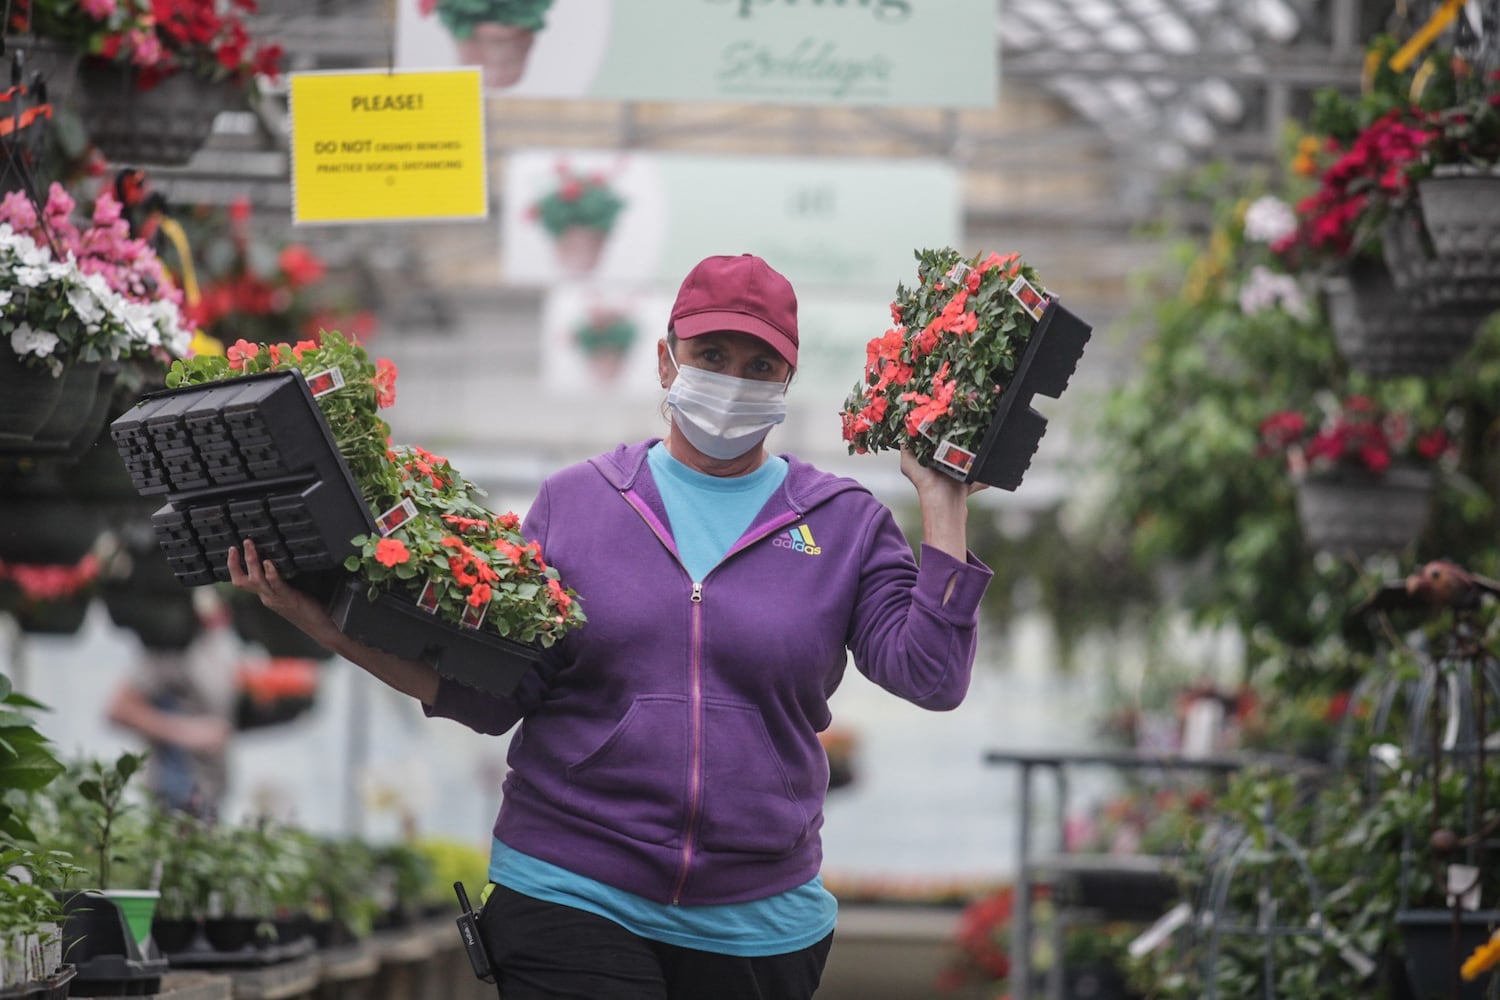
(302, 346)
(1433, 444)
(559, 596)
(385, 382)
(241, 352)
(390, 552)
(479, 595)
(300, 265)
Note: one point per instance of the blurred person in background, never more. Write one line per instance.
(181, 702)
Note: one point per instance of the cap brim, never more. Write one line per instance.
(697, 324)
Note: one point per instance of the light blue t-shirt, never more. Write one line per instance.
(708, 514)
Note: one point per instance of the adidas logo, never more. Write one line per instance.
(798, 539)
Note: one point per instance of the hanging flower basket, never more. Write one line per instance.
(1381, 331)
(56, 61)
(1356, 512)
(256, 623)
(64, 616)
(1468, 282)
(27, 398)
(1461, 209)
(43, 524)
(164, 125)
(77, 404)
(1431, 945)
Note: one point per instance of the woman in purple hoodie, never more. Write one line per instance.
(658, 835)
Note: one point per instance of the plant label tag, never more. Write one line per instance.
(1463, 886)
(1033, 301)
(958, 273)
(1156, 935)
(960, 460)
(326, 381)
(925, 429)
(427, 600)
(474, 617)
(1352, 956)
(396, 516)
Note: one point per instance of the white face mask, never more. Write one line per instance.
(723, 416)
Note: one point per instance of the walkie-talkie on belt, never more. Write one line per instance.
(468, 930)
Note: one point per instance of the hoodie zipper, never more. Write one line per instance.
(695, 744)
(695, 682)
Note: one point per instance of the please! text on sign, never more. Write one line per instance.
(388, 146)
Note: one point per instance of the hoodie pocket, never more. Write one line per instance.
(635, 781)
(749, 804)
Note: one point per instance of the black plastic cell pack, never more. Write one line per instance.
(247, 458)
(480, 659)
(1016, 429)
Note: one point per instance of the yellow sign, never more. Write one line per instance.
(388, 146)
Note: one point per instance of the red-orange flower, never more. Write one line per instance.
(479, 595)
(559, 596)
(241, 352)
(385, 382)
(304, 345)
(391, 552)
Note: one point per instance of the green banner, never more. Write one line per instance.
(925, 53)
(647, 218)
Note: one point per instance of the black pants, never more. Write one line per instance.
(543, 951)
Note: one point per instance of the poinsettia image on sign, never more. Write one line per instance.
(495, 35)
(578, 213)
(932, 381)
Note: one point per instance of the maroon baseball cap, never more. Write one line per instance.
(741, 293)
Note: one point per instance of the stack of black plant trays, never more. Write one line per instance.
(253, 458)
(1051, 356)
(233, 942)
(1454, 704)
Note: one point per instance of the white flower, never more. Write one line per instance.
(86, 304)
(1269, 219)
(5, 298)
(30, 277)
(25, 340)
(1265, 289)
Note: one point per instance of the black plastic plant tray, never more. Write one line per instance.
(1016, 429)
(98, 942)
(54, 987)
(479, 659)
(246, 458)
(202, 955)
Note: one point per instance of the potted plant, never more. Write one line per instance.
(495, 35)
(51, 600)
(1364, 476)
(436, 575)
(156, 75)
(76, 299)
(972, 341)
(578, 212)
(605, 338)
(261, 291)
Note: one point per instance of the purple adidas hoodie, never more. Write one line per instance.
(669, 746)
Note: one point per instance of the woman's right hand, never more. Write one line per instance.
(259, 577)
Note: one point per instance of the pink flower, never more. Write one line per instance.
(99, 10)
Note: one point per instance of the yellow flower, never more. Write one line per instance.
(1485, 958)
(1305, 163)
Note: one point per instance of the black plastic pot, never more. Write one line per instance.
(98, 942)
(1436, 945)
(247, 458)
(1359, 513)
(1381, 331)
(230, 934)
(64, 616)
(1016, 429)
(480, 659)
(174, 934)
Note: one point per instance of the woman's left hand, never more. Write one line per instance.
(944, 503)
